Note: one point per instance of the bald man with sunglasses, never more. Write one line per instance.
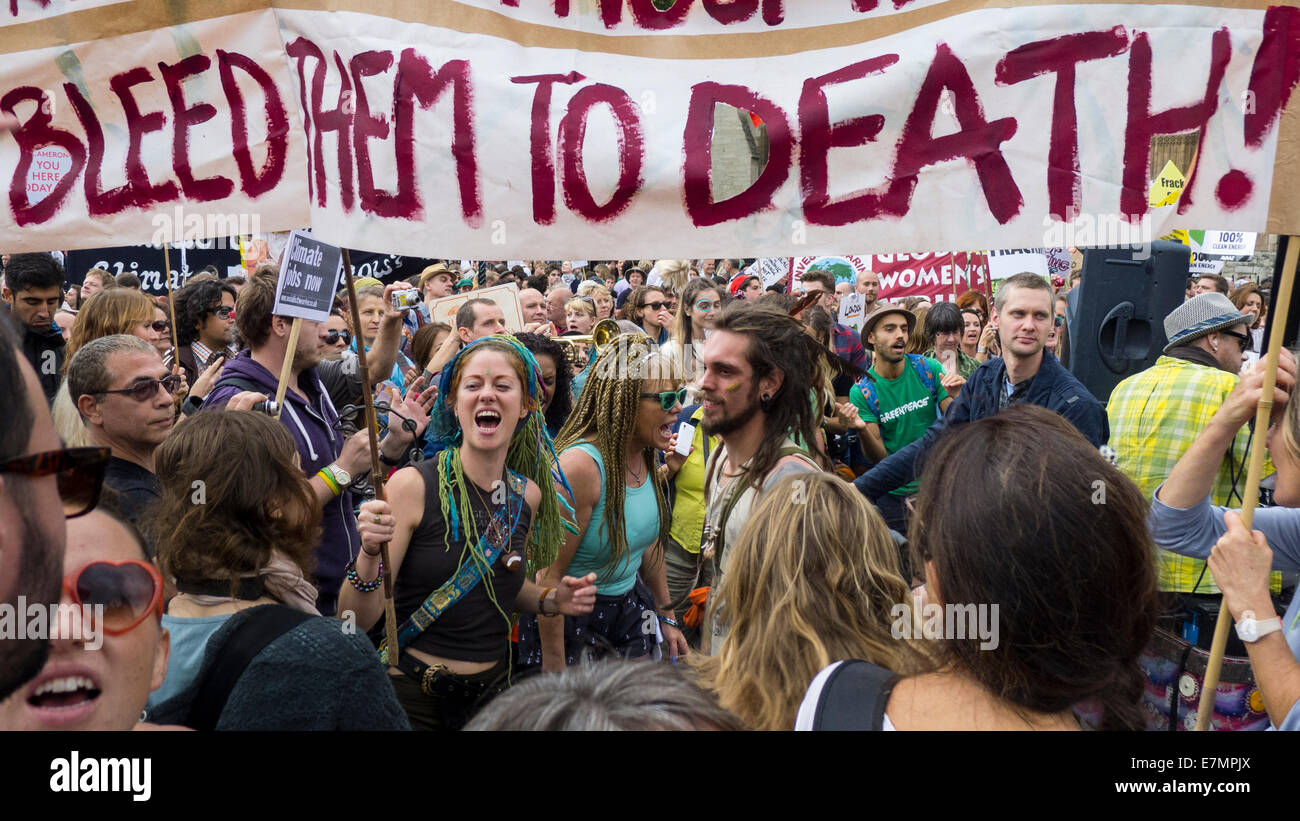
(124, 394)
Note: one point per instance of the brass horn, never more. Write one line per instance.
(601, 335)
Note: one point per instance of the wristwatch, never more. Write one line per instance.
(336, 478)
(1250, 631)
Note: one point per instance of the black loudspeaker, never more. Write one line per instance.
(1292, 329)
(1117, 319)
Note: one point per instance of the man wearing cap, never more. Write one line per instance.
(1023, 315)
(897, 401)
(1156, 414)
(746, 286)
(465, 285)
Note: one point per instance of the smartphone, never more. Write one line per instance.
(685, 436)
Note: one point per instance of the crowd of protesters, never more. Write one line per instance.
(673, 498)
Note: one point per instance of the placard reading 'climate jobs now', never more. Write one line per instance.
(309, 277)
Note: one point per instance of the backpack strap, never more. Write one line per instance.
(924, 372)
(867, 385)
(260, 626)
(854, 697)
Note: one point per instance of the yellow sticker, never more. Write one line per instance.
(1166, 187)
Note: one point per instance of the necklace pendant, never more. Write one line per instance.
(513, 561)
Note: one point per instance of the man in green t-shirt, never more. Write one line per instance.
(903, 398)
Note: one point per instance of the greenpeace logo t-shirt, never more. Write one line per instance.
(907, 409)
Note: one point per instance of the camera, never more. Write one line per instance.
(402, 300)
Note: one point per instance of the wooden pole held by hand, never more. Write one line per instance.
(1250, 494)
(286, 370)
(376, 476)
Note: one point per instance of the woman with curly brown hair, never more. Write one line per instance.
(236, 528)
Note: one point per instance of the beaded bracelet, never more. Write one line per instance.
(355, 578)
(670, 622)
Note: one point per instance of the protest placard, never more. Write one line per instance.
(851, 310)
(506, 296)
(309, 278)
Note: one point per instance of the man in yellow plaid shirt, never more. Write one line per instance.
(1156, 414)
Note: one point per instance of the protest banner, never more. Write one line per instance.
(506, 296)
(940, 275)
(146, 262)
(453, 122)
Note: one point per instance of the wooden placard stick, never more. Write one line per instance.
(171, 308)
(286, 370)
(1250, 495)
(376, 476)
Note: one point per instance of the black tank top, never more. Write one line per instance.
(472, 629)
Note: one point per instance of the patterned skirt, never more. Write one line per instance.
(624, 626)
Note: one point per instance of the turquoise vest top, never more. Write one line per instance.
(641, 522)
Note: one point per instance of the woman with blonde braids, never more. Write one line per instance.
(813, 579)
(607, 452)
(459, 527)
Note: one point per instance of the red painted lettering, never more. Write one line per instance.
(698, 148)
(631, 151)
(366, 126)
(417, 82)
(183, 117)
(251, 182)
(978, 141)
(32, 136)
(817, 137)
(540, 142)
(1143, 124)
(1061, 56)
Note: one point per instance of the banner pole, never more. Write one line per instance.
(1250, 495)
(377, 477)
(171, 308)
(287, 368)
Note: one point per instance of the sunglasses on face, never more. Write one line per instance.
(668, 399)
(659, 306)
(161, 326)
(127, 591)
(333, 337)
(223, 311)
(79, 473)
(705, 305)
(1242, 339)
(144, 390)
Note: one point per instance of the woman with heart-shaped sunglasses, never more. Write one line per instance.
(108, 648)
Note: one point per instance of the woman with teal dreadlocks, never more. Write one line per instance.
(465, 531)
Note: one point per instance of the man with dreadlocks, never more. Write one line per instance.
(607, 452)
(761, 371)
(459, 527)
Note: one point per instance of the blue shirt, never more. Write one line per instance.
(1195, 530)
(641, 527)
(189, 639)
